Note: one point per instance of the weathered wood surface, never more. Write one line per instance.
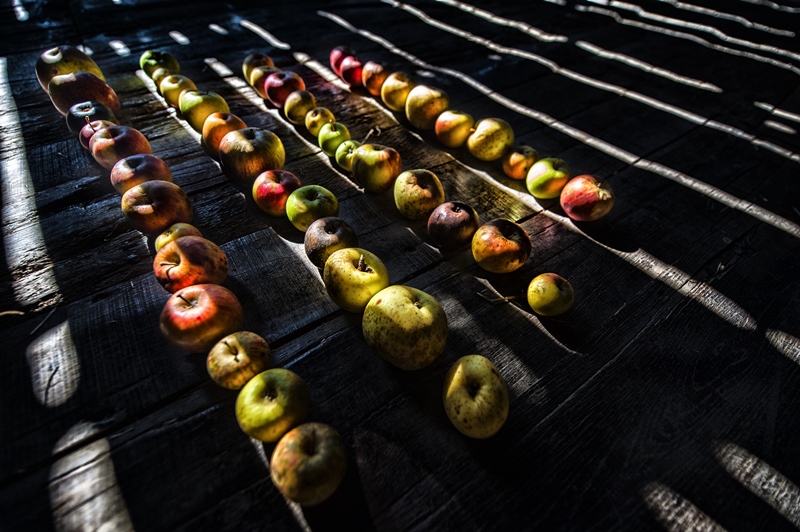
(667, 398)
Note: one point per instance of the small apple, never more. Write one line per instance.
(417, 193)
(375, 167)
(475, 397)
(308, 463)
(405, 326)
(501, 246)
(153, 206)
(150, 60)
(395, 90)
(549, 294)
(271, 190)
(136, 169)
(258, 77)
(424, 104)
(198, 316)
(316, 118)
(190, 260)
(517, 161)
(216, 126)
(159, 74)
(325, 236)
(88, 131)
(279, 85)
(64, 59)
(309, 203)
(112, 143)
(271, 403)
(452, 225)
(586, 198)
(350, 70)
(196, 105)
(297, 106)
(257, 59)
(372, 77)
(344, 154)
(246, 153)
(82, 113)
(452, 128)
(171, 87)
(174, 231)
(490, 139)
(337, 55)
(331, 135)
(352, 276)
(237, 358)
(67, 90)
(547, 177)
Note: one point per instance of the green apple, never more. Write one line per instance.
(271, 403)
(175, 231)
(375, 167)
(196, 105)
(405, 326)
(452, 128)
(316, 118)
(417, 193)
(395, 90)
(490, 139)
(475, 397)
(424, 104)
(549, 294)
(325, 236)
(309, 203)
(64, 59)
(150, 60)
(297, 106)
(331, 135)
(237, 358)
(547, 177)
(344, 154)
(352, 276)
(518, 161)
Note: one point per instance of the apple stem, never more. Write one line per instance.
(186, 300)
(375, 130)
(505, 299)
(362, 266)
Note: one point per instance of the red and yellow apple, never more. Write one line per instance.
(198, 316)
(190, 260)
(272, 189)
(174, 231)
(501, 246)
(216, 126)
(518, 161)
(586, 198)
(279, 85)
(237, 358)
(112, 143)
(549, 294)
(375, 167)
(136, 169)
(452, 128)
(246, 153)
(153, 206)
(372, 77)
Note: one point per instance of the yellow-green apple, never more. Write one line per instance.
(172, 86)
(237, 358)
(372, 77)
(190, 260)
(64, 59)
(68, 89)
(424, 104)
(350, 70)
(330, 136)
(308, 463)
(316, 118)
(337, 55)
(297, 106)
(501, 246)
(395, 90)
(309, 203)
(150, 60)
(258, 77)
(490, 139)
(375, 167)
(452, 225)
(475, 397)
(325, 236)
(279, 85)
(256, 59)
(198, 316)
(82, 113)
(216, 126)
(271, 190)
(196, 105)
(586, 198)
(112, 143)
(174, 231)
(518, 161)
(151, 207)
(246, 153)
(417, 192)
(452, 128)
(352, 276)
(272, 403)
(547, 177)
(136, 169)
(344, 154)
(88, 131)
(159, 74)
(405, 326)
(549, 294)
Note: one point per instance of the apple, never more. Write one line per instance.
(113, 143)
(190, 260)
(452, 225)
(549, 294)
(309, 203)
(257, 59)
(501, 246)
(424, 104)
(316, 118)
(82, 113)
(337, 55)
(452, 128)
(88, 131)
(198, 316)
(325, 236)
(196, 105)
(153, 206)
(475, 397)
(518, 161)
(297, 106)
(547, 177)
(372, 77)
(352, 276)
(258, 77)
(67, 90)
(490, 139)
(246, 153)
(350, 70)
(308, 463)
(279, 85)
(331, 135)
(375, 167)
(405, 326)
(174, 231)
(237, 358)
(417, 193)
(395, 90)
(136, 169)
(271, 403)
(171, 87)
(271, 190)
(64, 59)
(150, 60)
(344, 154)
(216, 126)
(586, 198)
(159, 74)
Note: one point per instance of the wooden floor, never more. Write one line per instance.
(668, 398)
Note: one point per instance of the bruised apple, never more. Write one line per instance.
(326, 236)
(586, 198)
(452, 225)
(174, 231)
(501, 246)
(237, 358)
(417, 192)
(190, 260)
(136, 169)
(198, 316)
(151, 207)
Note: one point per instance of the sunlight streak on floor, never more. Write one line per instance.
(264, 34)
(119, 47)
(785, 343)
(536, 33)
(179, 37)
(20, 12)
(780, 127)
(773, 5)
(216, 28)
(675, 512)
(55, 366)
(728, 16)
(780, 113)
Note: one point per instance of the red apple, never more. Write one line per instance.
(136, 169)
(279, 85)
(375, 167)
(216, 126)
(372, 77)
(501, 246)
(272, 188)
(586, 198)
(190, 260)
(151, 207)
(112, 143)
(198, 316)
(237, 358)
(246, 153)
(68, 89)
(350, 71)
(452, 225)
(88, 131)
(337, 55)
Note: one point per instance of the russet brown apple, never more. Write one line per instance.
(190, 260)
(452, 225)
(501, 246)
